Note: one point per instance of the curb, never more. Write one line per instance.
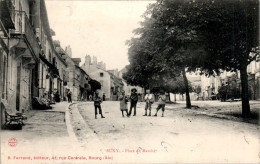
(94, 137)
(70, 130)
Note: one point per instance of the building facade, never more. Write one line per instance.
(111, 84)
(30, 65)
(91, 64)
(23, 58)
(6, 24)
(74, 77)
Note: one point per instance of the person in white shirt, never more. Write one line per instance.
(149, 100)
(161, 103)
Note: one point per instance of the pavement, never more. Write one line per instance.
(69, 133)
(43, 135)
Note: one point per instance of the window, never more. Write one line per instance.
(101, 74)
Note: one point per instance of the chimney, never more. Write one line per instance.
(68, 51)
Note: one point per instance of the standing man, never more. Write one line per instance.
(161, 103)
(104, 97)
(149, 100)
(69, 96)
(97, 104)
(133, 99)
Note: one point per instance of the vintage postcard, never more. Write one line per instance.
(129, 81)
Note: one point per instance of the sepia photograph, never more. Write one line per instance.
(129, 81)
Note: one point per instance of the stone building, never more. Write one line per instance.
(23, 57)
(30, 65)
(104, 78)
(253, 70)
(52, 65)
(91, 65)
(76, 79)
(6, 24)
(111, 84)
(114, 72)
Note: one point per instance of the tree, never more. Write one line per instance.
(229, 31)
(151, 56)
(221, 35)
(207, 35)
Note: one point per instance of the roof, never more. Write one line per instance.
(82, 70)
(116, 79)
(76, 59)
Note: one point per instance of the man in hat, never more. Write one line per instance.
(97, 104)
(149, 100)
(133, 99)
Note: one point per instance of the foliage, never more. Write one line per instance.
(174, 85)
(197, 90)
(229, 31)
(207, 35)
(153, 55)
(229, 89)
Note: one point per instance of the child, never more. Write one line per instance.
(97, 102)
(149, 99)
(123, 103)
(161, 101)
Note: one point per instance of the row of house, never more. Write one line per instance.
(111, 80)
(209, 86)
(32, 64)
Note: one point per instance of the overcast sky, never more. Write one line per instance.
(98, 28)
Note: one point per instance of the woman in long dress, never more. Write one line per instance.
(123, 103)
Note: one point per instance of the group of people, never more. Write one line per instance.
(149, 100)
(69, 95)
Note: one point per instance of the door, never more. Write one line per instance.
(18, 86)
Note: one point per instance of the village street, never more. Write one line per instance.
(70, 133)
(60, 58)
(181, 136)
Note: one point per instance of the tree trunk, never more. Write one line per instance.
(188, 103)
(169, 97)
(174, 97)
(244, 94)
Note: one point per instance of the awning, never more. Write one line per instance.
(52, 69)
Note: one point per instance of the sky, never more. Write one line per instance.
(97, 28)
